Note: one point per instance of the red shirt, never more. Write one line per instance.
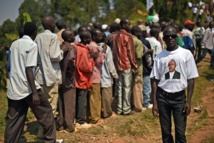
(123, 51)
(84, 67)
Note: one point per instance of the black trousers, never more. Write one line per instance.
(16, 115)
(81, 105)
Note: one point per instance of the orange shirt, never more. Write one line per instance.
(84, 67)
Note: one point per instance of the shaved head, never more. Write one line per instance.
(68, 36)
(48, 22)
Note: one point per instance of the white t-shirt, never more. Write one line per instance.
(23, 54)
(194, 10)
(155, 45)
(201, 11)
(185, 69)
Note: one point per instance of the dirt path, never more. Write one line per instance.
(208, 130)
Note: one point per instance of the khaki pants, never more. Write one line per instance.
(137, 98)
(106, 93)
(95, 103)
(51, 92)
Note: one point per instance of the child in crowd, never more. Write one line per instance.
(67, 90)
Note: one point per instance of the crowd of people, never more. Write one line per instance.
(147, 66)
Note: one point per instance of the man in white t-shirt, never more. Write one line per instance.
(199, 18)
(155, 44)
(194, 12)
(24, 92)
(168, 92)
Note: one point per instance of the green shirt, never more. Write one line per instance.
(139, 49)
(180, 41)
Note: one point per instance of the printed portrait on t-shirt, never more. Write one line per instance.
(172, 74)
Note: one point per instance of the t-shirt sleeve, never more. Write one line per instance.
(31, 57)
(155, 74)
(192, 71)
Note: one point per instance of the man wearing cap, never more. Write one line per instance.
(187, 31)
(188, 35)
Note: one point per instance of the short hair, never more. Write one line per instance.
(29, 28)
(94, 32)
(123, 21)
(114, 27)
(135, 29)
(21, 32)
(154, 31)
(60, 24)
(82, 28)
(65, 34)
(167, 28)
(172, 60)
(84, 34)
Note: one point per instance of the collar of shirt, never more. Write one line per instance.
(47, 31)
(27, 37)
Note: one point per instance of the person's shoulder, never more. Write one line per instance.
(184, 51)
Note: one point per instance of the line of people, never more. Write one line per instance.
(79, 75)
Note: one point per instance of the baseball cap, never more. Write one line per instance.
(189, 22)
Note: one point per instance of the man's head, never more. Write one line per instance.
(154, 32)
(97, 25)
(97, 35)
(125, 24)
(60, 24)
(68, 36)
(82, 28)
(156, 25)
(170, 37)
(48, 23)
(189, 24)
(171, 65)
(30, 29)
(114, 27)
(85, 37)
(136, 31)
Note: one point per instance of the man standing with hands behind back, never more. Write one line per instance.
(169, 93)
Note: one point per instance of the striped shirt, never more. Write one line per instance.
(123, 51)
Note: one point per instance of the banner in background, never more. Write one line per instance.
(149, 4)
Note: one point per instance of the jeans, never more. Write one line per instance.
(211, 52)
(146, 90)
(172, 106)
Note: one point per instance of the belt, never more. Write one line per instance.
(168, 94)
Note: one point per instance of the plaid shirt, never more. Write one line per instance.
(123, 51)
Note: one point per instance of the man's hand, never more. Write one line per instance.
(35, 98)
(104, 48)
(155, 110)
(135, 71)
(187, 108)
(117, 79)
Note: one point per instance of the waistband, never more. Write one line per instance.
(168, 94)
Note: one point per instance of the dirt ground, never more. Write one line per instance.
(208, 130)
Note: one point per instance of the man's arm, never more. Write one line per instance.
(131, 54)
(190, 88)
(56, 52)
(31, 81)
(154, 96)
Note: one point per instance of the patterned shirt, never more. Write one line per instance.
(123, 51)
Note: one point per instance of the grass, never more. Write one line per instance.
(129, 128)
